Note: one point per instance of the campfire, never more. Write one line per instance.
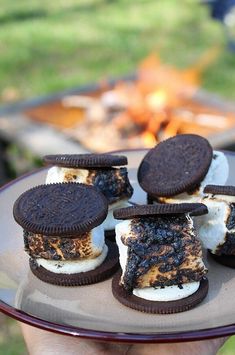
(159, 103)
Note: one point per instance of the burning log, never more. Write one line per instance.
(157, 105)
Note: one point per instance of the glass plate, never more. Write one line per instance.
(91, 311)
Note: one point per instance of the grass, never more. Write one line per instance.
(228, 348)
(47, 46)
(11, 341)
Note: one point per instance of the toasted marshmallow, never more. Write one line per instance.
(97, 240)
(73, 266)
(61, 174)
(217, 175)
(89, 245)
(168, 293)
(212, 227)
(123, 232)
(229, 199)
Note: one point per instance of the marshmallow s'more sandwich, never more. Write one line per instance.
(160, 257)
(217, 228)
(106, 172)
(178, 169)
(63, 234)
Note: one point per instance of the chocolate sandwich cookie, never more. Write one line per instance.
(226, 260)
(64, 209)
(160, 257)
(110, 235)
(160, 209)
(106, 172)
(85, 160)
(217, 229)
(63, 233)
(220, 190)
(101, 273)
(175, 166)
(98, 170)
(157, 307)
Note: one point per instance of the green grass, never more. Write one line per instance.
(49, 46)
(229, 347)
(11, 341)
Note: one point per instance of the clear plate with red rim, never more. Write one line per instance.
(91, 311)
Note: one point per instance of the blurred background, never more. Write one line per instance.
(100, 75)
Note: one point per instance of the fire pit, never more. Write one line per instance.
(158, 103)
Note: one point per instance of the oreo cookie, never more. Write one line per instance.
(60, 209)
(156, 307)
(85, 160)
(226, 260)
(219, 190)
(63, 233)
(160, 209)
(101, 273)
(110, 235)
(103, 171)
(176, 165)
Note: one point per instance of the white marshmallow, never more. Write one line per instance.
(110, 222)
(122, 229)
(218, 171)
(212, 226)
(229, 199)
(58, 174)
(97, 239)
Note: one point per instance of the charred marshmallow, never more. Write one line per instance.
(161, 258)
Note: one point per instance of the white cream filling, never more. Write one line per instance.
(212, 226)
(217, 175)
(110, 222)
(168, 293)
(73, 266)
(58, 174)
